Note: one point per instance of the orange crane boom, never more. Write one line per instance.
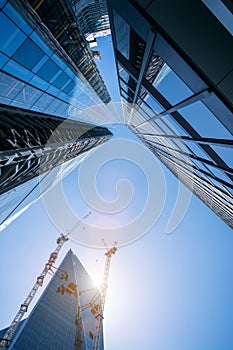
(4, 342)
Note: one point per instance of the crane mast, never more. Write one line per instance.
(39, 282)
(4, 342)
(99, 317)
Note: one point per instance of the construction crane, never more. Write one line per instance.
(99, 317)
(78, 319)
(96, 308)
(4, 342)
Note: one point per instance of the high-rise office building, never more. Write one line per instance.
(62, 23)
(92, 16)
(47, 75)
(34, 144)
(183, 113)
(65, 315)
(44, 68)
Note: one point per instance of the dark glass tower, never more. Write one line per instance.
(176, 89)
(32, 143)
(64, 316)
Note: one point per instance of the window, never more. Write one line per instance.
(28, 95)
(44, 101)
(39, 42)
(153, 104)
(173, 88)
(48, 70)
(205, 122)
(122, 31)
(28, 55)
(40, 83)
(9, 10)
(69, 87)
(176, 126)
(9, 87)
(10, 36)
(3, 59)
(61, 80)
(225, 153)
(17, 70)
(123, 74)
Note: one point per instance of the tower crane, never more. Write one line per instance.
(97, 309)
(99, 317)
(4, 342)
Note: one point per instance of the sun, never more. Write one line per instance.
(98, 279)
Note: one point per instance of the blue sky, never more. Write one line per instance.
(165, 291)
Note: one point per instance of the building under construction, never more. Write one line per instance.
(70, 312)
(65, 315)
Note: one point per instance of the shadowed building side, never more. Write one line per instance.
(32, 143)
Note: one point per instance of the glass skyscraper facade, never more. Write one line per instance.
(39, 73)
(47, 72)
(92, 15)
(33, 144)
(64, 316)
(176, 90)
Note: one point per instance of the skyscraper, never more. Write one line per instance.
(64, 316)
(183, 113)
(63, 25)
(32, 143)
(92, 16)
(47, 74)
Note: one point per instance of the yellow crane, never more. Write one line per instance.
(96, 308)
(99, 317)
(4, 342)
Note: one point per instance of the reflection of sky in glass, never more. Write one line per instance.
(206, 124)
(225, 153)
(179, 92)
(178, 286)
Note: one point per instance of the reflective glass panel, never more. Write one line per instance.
(122, 32)
(3, 60)
(28, 54)
(10, 35)
(40, 83)
(173, 88)
(9, 87)
(28, 95)
(61, 80)
(17, 18)
(226, 153)
(203, 121)
(48, 70)
(123, 74)
(34, 36)
(153, 104)
(69, 87)
(176, 126)
(44, 101)
(17, 70)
